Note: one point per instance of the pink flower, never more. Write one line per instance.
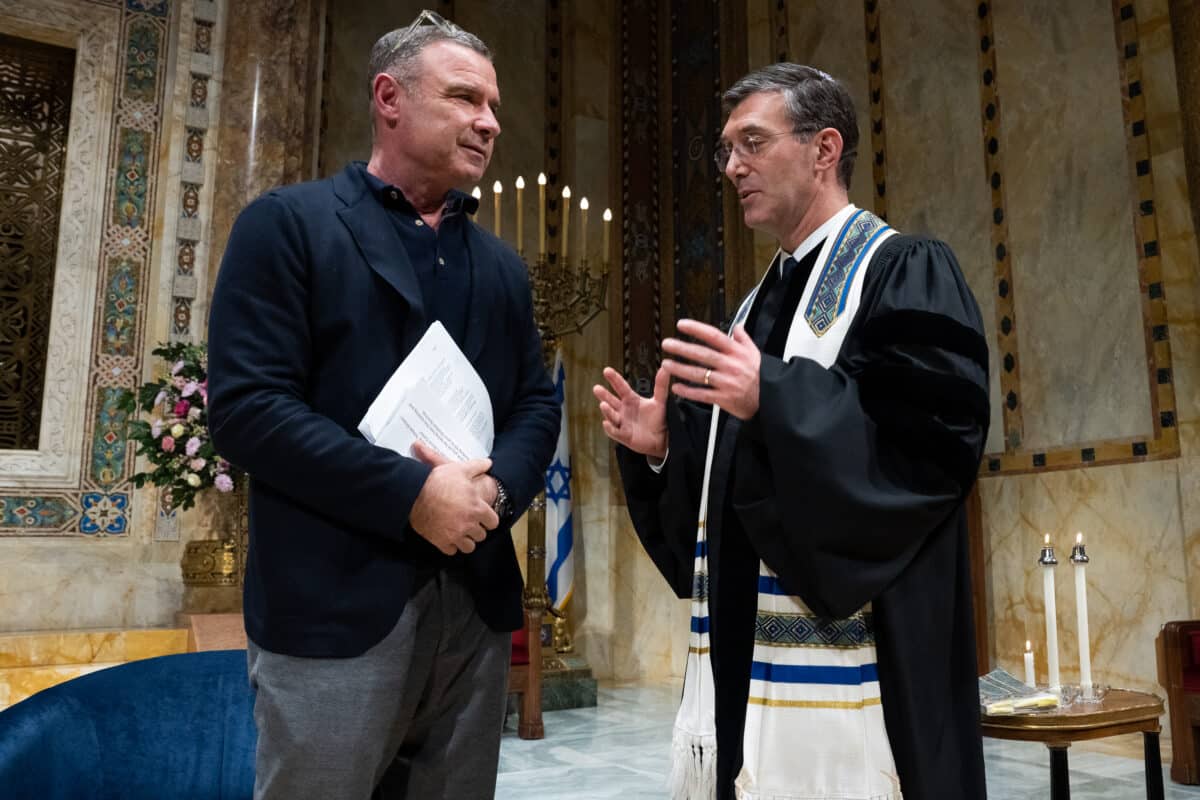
(193, 444)
(223, 482)
(181, 408)
(156, 427)
(178, 366)
(189, 388)
(179, 381)
(222, 465)
(168, 444)
(197, 464)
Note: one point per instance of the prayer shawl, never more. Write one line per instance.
(814, 725)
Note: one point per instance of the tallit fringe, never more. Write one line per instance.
(693, 767)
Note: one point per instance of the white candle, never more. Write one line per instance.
(583, 209)
(1030, 675)
(566, 225)
(497, 188)
(1080, 559)
(541, 214)
(604, 247)
(520, 215)
(1048, 562)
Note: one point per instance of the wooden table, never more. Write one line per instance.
(1121, 711)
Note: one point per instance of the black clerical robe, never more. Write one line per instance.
(849, 483)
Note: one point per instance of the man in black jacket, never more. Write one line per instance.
(381, 590)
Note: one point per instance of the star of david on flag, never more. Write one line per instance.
(560, 575)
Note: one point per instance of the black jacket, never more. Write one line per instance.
(315, 306)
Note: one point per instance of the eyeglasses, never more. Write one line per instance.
(426, 17)
(750, 145)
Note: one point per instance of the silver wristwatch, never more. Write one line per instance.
(501, 505)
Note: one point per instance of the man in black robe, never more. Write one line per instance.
(849, 480)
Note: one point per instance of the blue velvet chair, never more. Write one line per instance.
(178, 726)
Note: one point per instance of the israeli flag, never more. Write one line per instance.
(560, 539)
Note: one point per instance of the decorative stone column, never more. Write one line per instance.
(270, 106)
(267, 133)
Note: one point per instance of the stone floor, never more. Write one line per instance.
(619, 749)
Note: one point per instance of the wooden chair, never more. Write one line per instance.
(1178, 649)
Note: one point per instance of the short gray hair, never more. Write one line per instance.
(813, 99)
(398, 52)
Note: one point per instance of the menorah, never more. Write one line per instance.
(566, 297)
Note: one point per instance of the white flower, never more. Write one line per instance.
(192, 479)
(194, 413)
(178, 366)
(189, 389)
(156, 427)
(177, 431)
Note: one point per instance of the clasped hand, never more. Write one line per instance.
(717, 369)
(454, 509)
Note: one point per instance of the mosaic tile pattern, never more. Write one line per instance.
(109, 441)
(141, 60)
(99, 505)
(129, 204)
(29, 513)
(119, 332)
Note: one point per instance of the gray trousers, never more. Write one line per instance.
(417, 717)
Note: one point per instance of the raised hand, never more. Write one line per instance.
(639, 423)
(451, 511)
(723, 370)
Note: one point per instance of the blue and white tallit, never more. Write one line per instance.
(814, 725)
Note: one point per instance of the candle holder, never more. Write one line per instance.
(1078, 554)
(565, 299)
(1047, 559)
(567, 295)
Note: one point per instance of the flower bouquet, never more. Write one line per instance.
(175, 440)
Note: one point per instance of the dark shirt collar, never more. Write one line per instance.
(393, 198)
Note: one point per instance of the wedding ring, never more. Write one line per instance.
(707, 375)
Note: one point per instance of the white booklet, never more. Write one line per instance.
(434, 396)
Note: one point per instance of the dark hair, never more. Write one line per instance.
(813, 101)
(398, 52)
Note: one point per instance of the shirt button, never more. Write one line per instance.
(420, 223)
(394, 194)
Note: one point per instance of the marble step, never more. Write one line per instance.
(17, 683)
(53, 648)
(36, 660)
